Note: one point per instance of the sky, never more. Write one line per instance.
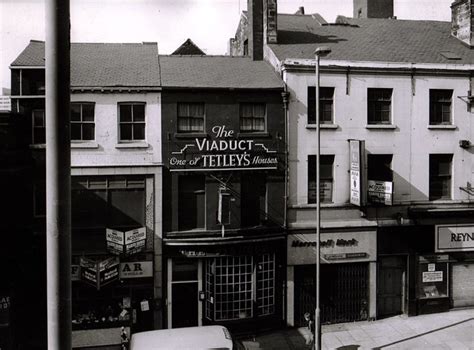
(209, 23)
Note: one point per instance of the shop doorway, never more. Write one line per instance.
(462, 286)
(184, 307)
(344, 292)
(391, 286)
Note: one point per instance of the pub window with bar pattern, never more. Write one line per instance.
(82, 121)
(191, 117)
(252, 117)
(132, 121)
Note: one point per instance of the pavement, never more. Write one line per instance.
(447, 330)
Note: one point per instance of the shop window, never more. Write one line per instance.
(132, 121)
(253, 200)
(190, 117)
(191, 202)
(325, 178)
(440, 176)
(252, 117)
(239, 287)
(82, 121)
(326, 102)
(379, 105)
(379, 167)
(108, 202)
(440, 106)
(38, 127)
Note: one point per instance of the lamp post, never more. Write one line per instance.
(319, 52)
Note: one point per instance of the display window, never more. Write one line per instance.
(432, 279)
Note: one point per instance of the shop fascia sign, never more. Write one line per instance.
(454, 238)
(223, 151)
(133, 269)
(99, 273)
(127, 243)
(380, 192)
(357, 175)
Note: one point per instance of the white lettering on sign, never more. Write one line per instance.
(454, 238)
(114, 236)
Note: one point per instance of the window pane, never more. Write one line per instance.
(88, 112)
(88, 131)
(379, 106)
(125, 113)
(76, 132)
(126, 132)
(139, 113)
(440, 176)
(75, 112)
(325, 176)
(440, 106)
(139, 131)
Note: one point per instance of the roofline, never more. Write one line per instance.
(219, 88)
(115, 88)
(303, 64)
(25, 67)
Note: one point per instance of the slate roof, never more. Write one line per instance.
(217, 72)
(188, 48)
(376, 40)
(103, 64)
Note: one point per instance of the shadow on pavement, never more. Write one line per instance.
(422, 334)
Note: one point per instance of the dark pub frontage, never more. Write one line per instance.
(224, 193)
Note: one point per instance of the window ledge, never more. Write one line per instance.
(442, 127)
(253, 134)
(322, 126)
(381, 126)
(189, 135)
(132, 145)
(84, 144)
(38, 146)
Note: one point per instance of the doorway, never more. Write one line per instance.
(391, 285)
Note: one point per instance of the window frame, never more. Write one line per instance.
(254, 118)
(371, 161)
(311, 169)
(377, 105)
(191, 117)
(434, 178)
(324, 100)
(131, 122)
(437, 104)
(34, 128)
(82, 123)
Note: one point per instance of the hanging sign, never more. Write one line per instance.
(128, 243)
(99, 273)
(223, 150)
(356, 151)
(380, 192)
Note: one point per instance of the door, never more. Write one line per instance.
(391, 285)
(462, 285)
(185, 304)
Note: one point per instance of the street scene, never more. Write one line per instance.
(237, 174)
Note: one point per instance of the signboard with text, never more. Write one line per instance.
(136, 269)
(380, 192)
(99, 273)
(128, 242)
(454, 238)
(223, 149)
(356, 153)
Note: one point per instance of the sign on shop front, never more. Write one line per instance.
(223, 150)
(136, 269)
(380, 192)
(357, 176)
(128, 242)
(99, 273)
(452, 238)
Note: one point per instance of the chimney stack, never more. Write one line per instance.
(255, 39)
(270, 30)
(300, 11)
(462, 20)
(373, 8)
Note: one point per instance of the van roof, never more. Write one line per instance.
(199, 338)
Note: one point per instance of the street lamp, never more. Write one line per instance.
(319, 52)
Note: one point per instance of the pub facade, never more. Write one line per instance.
(223, 192)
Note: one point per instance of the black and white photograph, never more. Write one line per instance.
(236, 174)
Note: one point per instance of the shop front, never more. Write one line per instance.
(347, 281)
(234, 282)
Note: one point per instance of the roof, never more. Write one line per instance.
(217, 72)
(188, 48)
(103, 64)
(376, 40)
(206, 337)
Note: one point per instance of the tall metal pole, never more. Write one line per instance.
(317, 313)
(320, 51)
(58, 174)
